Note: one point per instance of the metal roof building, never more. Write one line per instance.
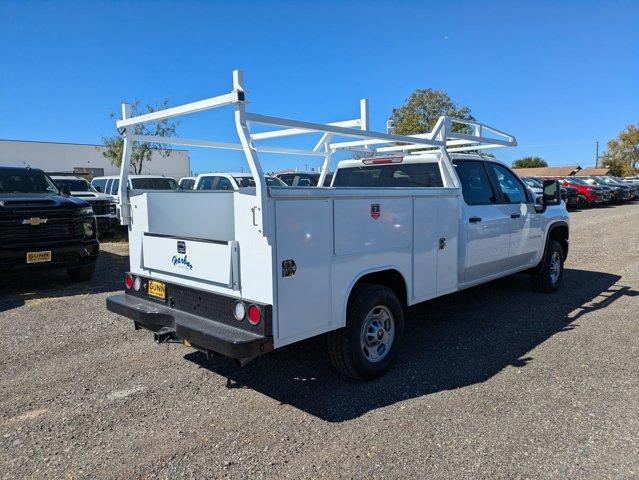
(548, 171)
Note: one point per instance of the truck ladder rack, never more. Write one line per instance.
(443, 139)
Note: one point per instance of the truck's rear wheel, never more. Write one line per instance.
(83, 273)
(548, 276)
(367, 346)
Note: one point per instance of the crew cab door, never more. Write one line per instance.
(526, 236)
(486, 224)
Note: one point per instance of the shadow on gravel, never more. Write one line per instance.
(451, 342)
(17, 288)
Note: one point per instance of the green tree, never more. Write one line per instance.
(530, 162)
(142, 151)
(623, 152)
(422, 109)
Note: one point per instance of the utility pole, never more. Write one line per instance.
(597, 153)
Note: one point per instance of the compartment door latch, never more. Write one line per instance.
(288, 268)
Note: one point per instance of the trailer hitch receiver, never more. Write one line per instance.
(165, 335)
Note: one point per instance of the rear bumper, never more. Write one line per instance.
(200, 332)
(67, 256)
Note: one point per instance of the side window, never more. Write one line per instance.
(475, 184)
(206, 183)
(114, 186)
(511, 188)
(107, 187)
(224, 184)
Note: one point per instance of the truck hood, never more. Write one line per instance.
(24, 202)
(89, 196)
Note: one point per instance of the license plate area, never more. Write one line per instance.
(157, 289)
(39, 257)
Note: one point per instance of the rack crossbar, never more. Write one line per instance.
(345, 132)
(299, 131)
(214, 102)
(191, 142)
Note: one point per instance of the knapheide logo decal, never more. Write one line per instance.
(182, 262)
(375, 211)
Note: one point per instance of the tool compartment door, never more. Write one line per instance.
(304, 239)
(206, 260)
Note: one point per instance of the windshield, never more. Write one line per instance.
(607, 181)
(75, 185)
(154, 184)
(531, 182)
(588, 181)
(575, 181)
(187, 183)
(26, 181)
(243, 182)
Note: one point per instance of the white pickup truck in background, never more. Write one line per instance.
(242, 272)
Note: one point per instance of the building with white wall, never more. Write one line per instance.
(85, 159)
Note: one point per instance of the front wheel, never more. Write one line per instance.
(550, 271)
(83, 273)
(582, 201)
(367, 346)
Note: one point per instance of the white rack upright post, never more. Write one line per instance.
(127, 150)
(259, 210)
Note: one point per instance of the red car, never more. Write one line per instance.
(588, 195)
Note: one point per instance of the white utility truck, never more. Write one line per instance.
(243, 272)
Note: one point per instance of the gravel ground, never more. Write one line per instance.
(494, 382)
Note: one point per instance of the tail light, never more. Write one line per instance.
(254, 315)
(239, 311)
(128, 281)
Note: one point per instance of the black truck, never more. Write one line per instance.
(43, 227)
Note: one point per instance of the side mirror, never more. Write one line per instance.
(65, 190)
(552, 193)
(540, 207)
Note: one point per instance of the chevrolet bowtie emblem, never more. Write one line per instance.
(34, 221)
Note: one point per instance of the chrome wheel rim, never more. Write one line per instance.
(378, 333)
(555, 267)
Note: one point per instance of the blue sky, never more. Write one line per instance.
(558, 75)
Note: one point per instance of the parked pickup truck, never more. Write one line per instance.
(41, 227)
(243, 272)
(231, 181)
(103, 205)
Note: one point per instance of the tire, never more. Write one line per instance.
(548, 275)
(83, 273)
(582, 202)
(354, 350)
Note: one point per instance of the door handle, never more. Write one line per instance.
(474, 219)
(515, 215)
